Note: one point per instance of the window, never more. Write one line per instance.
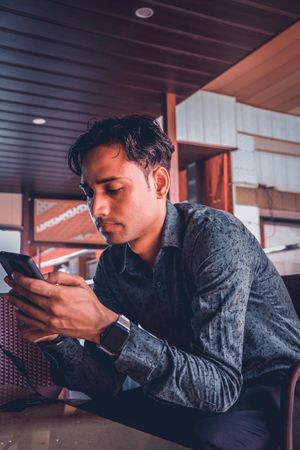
(278, 233)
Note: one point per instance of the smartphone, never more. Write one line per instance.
(16, 262)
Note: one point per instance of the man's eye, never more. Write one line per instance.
(114, 191)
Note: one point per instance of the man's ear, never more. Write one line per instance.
(162, 181)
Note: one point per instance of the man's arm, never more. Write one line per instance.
(209, 376)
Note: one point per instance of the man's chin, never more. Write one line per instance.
(113, 238)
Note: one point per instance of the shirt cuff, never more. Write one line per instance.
(140, 355)
(52, 344)
(66, 351)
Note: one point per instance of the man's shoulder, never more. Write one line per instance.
(215, 235)
(210, 231)
(200, 218)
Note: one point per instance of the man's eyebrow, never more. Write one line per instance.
(103, 180)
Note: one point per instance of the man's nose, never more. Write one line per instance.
(100, 205)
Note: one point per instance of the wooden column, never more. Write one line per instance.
(169, 125)
(227, 183)
(26, 223)
(217, 182)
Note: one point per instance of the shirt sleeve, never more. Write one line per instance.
(84, 368)
(208, 377)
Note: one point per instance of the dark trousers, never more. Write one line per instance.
(253, 422)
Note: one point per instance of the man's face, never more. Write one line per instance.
(123, 206)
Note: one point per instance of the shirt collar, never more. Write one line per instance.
(172, 234)
(173, 228)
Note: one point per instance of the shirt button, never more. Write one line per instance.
(158, 284)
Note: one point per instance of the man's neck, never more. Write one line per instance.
(148, 247)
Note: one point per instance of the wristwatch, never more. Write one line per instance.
(113, 339)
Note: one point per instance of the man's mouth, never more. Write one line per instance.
(106, 226)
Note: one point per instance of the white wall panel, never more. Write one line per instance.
(266, 123)
(243, 161)
(195, 119)
(239, 117)
(293, 170)
(207, 118)
(270, 169)
(211, 119)
(245, 142)
(292, 128)
(243, 167)
(279, 171)
(247, 119)
(278, 126)
(265, 170)
(249, 215)
(181, 126)
(227, 110)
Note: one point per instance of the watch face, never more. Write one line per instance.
(114, 339)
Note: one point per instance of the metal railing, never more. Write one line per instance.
(281, 248)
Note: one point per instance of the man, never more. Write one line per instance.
(185, 303)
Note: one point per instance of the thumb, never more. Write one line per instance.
(65, 279)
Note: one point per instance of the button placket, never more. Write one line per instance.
(158, 275)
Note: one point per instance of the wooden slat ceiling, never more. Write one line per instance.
(70, 61)
(268, 78)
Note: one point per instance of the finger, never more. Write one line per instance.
(65, 279)
(9, 281)
(33, 285)
(31, 322)
(29, 309)
(11, 297)
(23, 295)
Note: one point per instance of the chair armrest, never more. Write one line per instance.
(287, 405)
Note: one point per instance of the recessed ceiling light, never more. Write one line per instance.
(39, 121)
(144, 13)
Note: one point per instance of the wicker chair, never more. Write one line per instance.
(37, 366)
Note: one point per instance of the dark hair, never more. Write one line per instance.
(144, 142)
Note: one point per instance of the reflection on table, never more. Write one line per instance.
(61, 426)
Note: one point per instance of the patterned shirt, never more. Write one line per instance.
(210, 314)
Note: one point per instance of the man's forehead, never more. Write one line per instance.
(106, 151)
(108, 162)
(103, 159)
(104, 156)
